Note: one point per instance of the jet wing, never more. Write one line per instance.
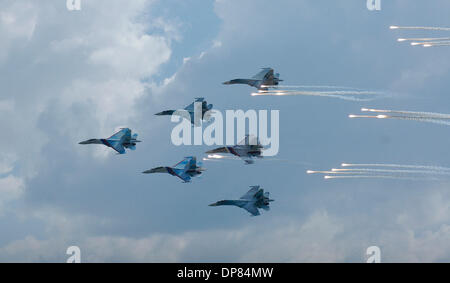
(185, 177)
(250, 207)
(117, 140)
(190, 107)
(251, 193)
(265, 74)
(172, 171)
(259, 194)
(186, 163)
(123, 133)
(249, 140)
(117, 146)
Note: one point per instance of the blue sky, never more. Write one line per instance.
(69, 76)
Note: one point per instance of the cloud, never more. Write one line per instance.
(81, 74)
(17, 25)
(320, 238)
(77, 74)
(11, 188)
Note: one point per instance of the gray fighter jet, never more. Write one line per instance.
(185, 170)
(199, 105)
(119, 141)
(247, 149)
(254, 199)
(262, 81)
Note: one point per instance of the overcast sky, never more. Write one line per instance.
(67, 76)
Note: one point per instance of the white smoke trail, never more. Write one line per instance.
(420, 28)
(344, 95)
(428, 167)
(423, 39)
(379, 177)
(429, 114)
(394, 171)
(336, 92)
(426, 119)
(430, 43)
(332, 172)
(312, 86)
(266, 159)
(419, 119)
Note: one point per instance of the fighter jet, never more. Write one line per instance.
(247, 149)
(185, 170)
(255, 198)
(119, 141)
(261, 81)
(205, 107)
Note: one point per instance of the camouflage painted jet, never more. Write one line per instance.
(119, 141)
(205, 107)
(254, 199)
(261, 81)
(247, 149)
(185, 170)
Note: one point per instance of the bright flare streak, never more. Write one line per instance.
(393, 27)
(329, 172)
(216, 156)
(368, 116)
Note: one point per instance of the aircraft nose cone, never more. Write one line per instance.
(213, 204)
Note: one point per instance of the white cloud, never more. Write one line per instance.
(84, 71)
(320, 238)
(17, 25)
(11, 188)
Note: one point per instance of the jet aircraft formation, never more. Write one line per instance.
(248, 149)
